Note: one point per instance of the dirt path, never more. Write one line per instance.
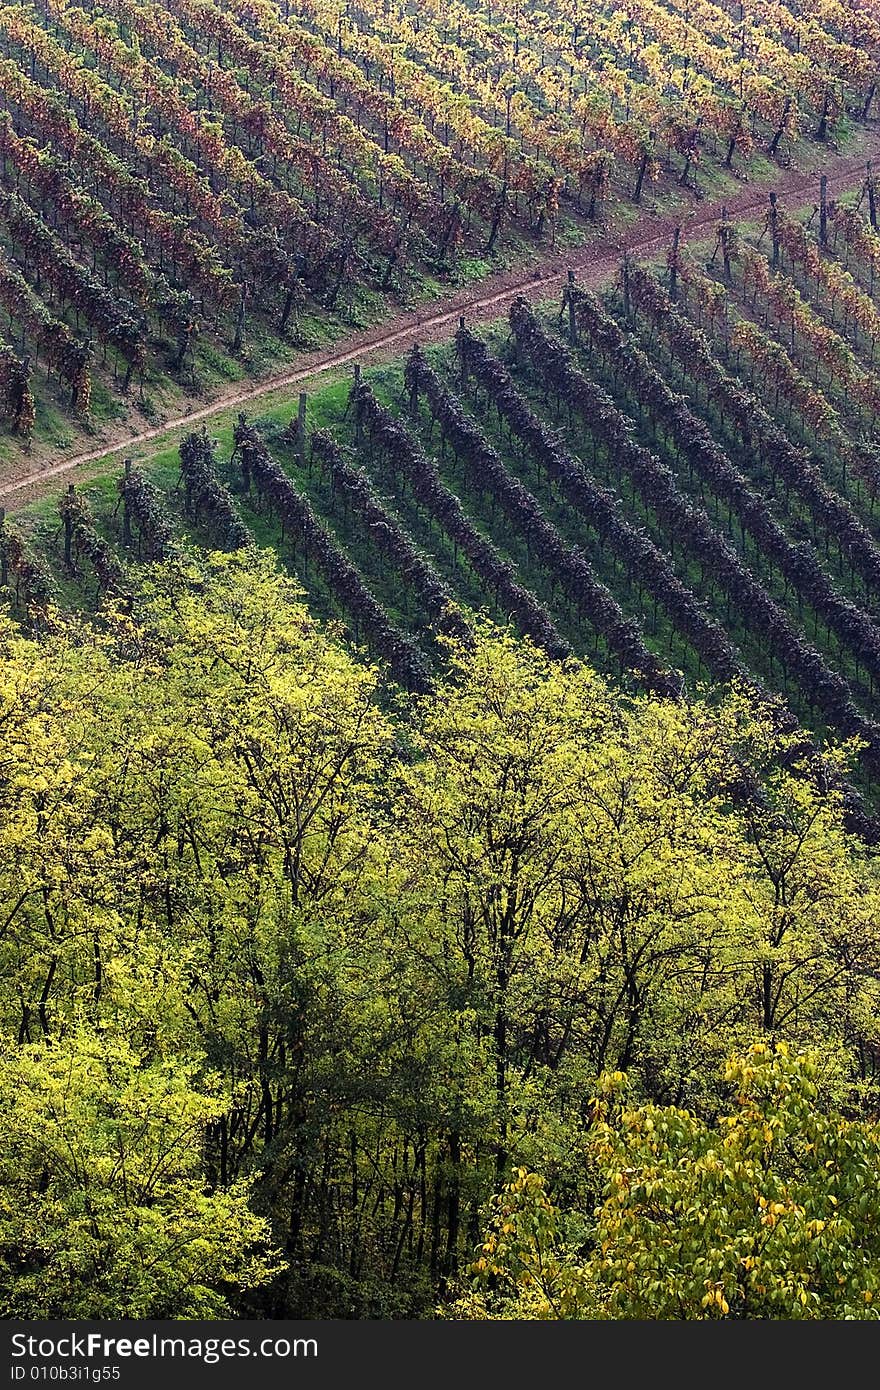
(593, 264)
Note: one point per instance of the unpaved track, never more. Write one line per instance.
(593, 264)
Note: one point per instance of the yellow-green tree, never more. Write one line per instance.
(771, 1212)
(104, 1210)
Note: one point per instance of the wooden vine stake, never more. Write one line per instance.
(773, 223)
(68, 530)
(126, 519)
(673, 264)
(725, 243)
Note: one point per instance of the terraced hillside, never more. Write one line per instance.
(671, 481)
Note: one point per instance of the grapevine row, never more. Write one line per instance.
(691, 348)
(81, 539)
(115, 321)
(79, 214)
(16, 397)
(404, 456)
(25, 572)
(206, 496)
(52, 338)
(796, 563)
(389, 537)
(825, 689)
(295, 513)
(823, 343)
(486, 469)
(601, 509)
(196, 260)
(143, 504)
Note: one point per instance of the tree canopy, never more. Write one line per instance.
(297, 971)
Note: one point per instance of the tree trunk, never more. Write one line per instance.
(643, 169)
